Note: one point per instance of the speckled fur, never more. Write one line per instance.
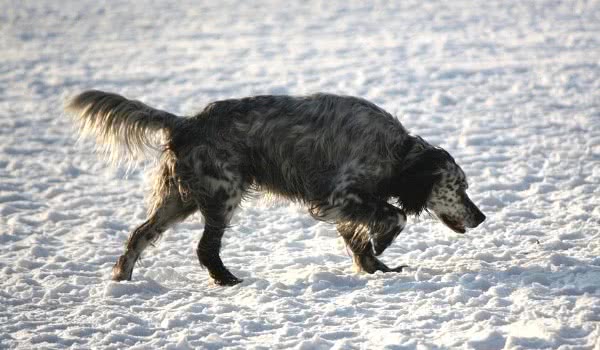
(345, 158)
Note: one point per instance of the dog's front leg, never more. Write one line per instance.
(368, 224)
(373, 220)
(362, 250)
(385, 226)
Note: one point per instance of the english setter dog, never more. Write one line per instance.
(344, 157)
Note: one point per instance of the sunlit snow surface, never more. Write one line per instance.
(510, 88)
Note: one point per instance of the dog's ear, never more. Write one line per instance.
(414, 182)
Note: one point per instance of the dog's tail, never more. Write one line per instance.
(124, 129)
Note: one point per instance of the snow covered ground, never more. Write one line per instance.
(510, 88)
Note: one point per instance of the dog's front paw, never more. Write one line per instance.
(381, 241)
(370, 264)
(386, 230)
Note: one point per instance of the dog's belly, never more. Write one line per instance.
(296, 175)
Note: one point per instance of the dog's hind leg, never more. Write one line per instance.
(217, 210)
(169, 211)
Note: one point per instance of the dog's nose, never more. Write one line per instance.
(479, 218)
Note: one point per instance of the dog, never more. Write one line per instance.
(349, 161)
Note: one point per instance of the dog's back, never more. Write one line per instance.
(295, 146)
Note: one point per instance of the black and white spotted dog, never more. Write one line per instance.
(344, 157)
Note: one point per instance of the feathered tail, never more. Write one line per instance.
(124, 129)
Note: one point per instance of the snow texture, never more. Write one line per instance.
(510, 88)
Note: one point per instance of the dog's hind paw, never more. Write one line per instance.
(398, 268)
(227, 281)
(118, 275)
(224, 278)
(121, 272)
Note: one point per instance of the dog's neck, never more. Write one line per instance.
(413, 176)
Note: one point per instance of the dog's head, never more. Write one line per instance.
(432, 181)
(449, 200)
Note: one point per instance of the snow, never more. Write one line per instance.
(509, 88)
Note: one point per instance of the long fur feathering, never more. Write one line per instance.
(124, 129)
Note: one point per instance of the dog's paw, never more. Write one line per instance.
(380, 242)
(399, 268)
(121, 271)
(386, 230)
(119, 275)
(224, 278)
(229, 281)
(379, 246)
